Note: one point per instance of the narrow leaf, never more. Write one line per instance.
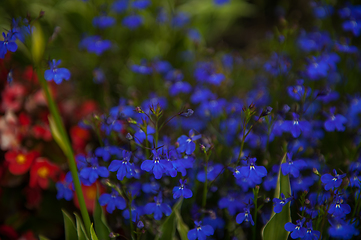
(101, 227)
(56, 134)
(168, 227)
(43, 238)
(80, 228)
(275, 227)
(69, 225)
(182, 228)
(93, 236)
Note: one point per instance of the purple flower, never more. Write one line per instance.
(182, 191)
(331, 182)
(157, 166)
(186, 144)
(112, 201)
(8, 44)
(298, 231)
(55, 73)
(200, 232)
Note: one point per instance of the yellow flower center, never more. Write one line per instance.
(43, 172)
(20, 159)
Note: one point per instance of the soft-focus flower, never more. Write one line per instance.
(41, 171)
(200, 232)
(20, 161)
(55, 73)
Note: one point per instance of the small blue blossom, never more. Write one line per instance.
(292, 167)
(182, 191)
(245, 216)
(132, 21)
(55, 73)
(339, 208)
(310, 233)
(141, 4)
(200, 232)
(137, 212)
(335, 122)
(158, 166)
(296, 126)
(341, 229)
(123, 167)
(298, 231)
(332, 182)
(158, 208)
(252, 172)
(180, 87)
(120, 6)
(180, 19)
(112, 201)
(279, 203)
(186, 144)
(8, 44)
(103, 21)
(93, 172)
(140, 135)
(94, 44)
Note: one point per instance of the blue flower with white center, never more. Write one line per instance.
(296, 126)
(279, 203)
(8, 44)
(55, 73)
(93, 172)
(252, 172)
(335, 122)
(332, 182)
(141, 135)
(292, 167)
(341, 229)
(158, 166)
(245, 216)
(137, 212)
(123, 167)
(310, 233)
(158, 208)
(339, 208)
(200, 232)
(112, 201)
(186, 144)
(298, 231)
(182, 191)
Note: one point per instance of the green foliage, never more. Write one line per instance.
(274, 229)
(101, 227)
(69, 225)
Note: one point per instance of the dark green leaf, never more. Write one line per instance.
(274, 229)
(69, 225)
(93, 236)
(182, 228)
(43, 238)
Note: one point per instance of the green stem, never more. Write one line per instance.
(205, 189)
(130, 217)
(69, 151)
(255, 212)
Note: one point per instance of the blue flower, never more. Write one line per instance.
(93, 172)
(296, 126)
(252, 172)
(124, 167)
(120, 6)
(221, 2)
(279, 203)
(180, 87)
(339, 208)
(142, 68)
(310, 233)
(137, 212)
(180, 19)
(132, 21)
(299, 91)
(55, 73)
(103, 21)
(158, 166)
(341, 229)
(106, 152)
(182, 191)
(186, 144)
(94, 44)
(353, 26)
(140, 135)
(141, 4)
(335, 121)
(158, 208)
(8, 44)
(298, 231)
(213, 171)
(292, 167)
(65, 188)
(112, 201)
(245, 216)
(200, 232)
(331, 182)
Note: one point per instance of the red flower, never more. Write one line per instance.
(12, 97)
(79, 137)
(20, 161)
(90, 194)
(41, 132)
(41, 171)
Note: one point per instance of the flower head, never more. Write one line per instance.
(55, 73)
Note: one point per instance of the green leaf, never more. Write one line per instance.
(182, 228)
(80, 228)
(38, 43)
(275, 227)
(43, 238)
(101, 227)
(56, 134)
(93, 236)
(69, 225)
(168, 227)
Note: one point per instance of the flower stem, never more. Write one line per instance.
(68, 150)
